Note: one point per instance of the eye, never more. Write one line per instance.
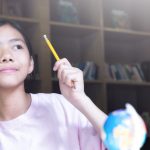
(18, 47)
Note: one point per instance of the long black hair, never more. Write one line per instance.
(20, 29)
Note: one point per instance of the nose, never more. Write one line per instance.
(6, 60)
(6, 56)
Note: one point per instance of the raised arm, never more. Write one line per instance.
(72, 88)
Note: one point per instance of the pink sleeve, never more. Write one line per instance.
(88, 137)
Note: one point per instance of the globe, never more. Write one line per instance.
(121, 130)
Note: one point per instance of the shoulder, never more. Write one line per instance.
(59, 105)
(45, 97)
(53, 99)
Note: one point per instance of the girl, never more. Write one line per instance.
(43, 121)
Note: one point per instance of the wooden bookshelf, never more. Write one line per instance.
(127, 45)
(92, 38)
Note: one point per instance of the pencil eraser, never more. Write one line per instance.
(44, 36)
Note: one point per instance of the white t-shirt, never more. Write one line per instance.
(51, 123)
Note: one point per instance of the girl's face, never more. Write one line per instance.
(15, 61)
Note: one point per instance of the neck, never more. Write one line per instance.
(13, 103)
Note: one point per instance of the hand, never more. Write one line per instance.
(70, 81)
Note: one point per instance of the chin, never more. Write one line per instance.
(8, 85)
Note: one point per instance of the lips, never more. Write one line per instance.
(8, 70)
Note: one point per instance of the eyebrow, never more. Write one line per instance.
(17, 39)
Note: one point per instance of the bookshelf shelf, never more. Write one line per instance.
(68, 29)
(94, 81)
(90, 27)
(130, 83)
(21, 19)
(124, 35)
(127, 31)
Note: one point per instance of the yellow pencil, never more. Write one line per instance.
(54, 52)
(51, 47)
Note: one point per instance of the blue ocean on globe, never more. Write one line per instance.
(116, 119)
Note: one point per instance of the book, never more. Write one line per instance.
(108, 72)
(138, 66)
(12, 7)
(89, 69)
(120, 19)
(136, 75)
(145, 67)
(121, 71)
(67, 12)
(113, 71)
(91, 74)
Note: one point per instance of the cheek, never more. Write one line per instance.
(24, 62)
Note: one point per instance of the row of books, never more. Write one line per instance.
(125, 72)
(89, 69)
(11, 7)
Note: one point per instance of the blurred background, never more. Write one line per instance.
(108, 39)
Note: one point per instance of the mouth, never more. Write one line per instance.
(8, 70)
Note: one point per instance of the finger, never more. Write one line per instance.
(60, 71)
(66, 72)
(71, 78)
(75, 71)
(63, 61)
(70, 70)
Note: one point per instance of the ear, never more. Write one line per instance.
(31, 65)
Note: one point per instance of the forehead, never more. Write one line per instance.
(9, 32)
